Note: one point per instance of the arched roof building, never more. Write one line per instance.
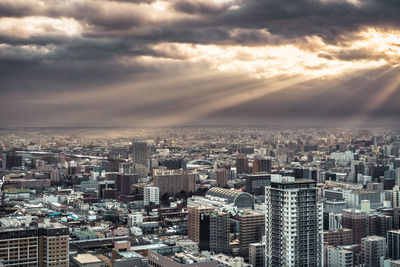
(239, 199)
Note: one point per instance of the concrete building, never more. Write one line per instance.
(250, 229)
(338, 237)
(44, 245)
(214, 232)
(19, 246)
(174, 181)
(373, 250)
(194, 214)
(356, 220)
(139, 152)
(257, 254)
(338, 257)
(293, 224)
(393, 244)
(151, 194)
(53, 244)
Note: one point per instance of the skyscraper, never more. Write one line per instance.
(293, 224)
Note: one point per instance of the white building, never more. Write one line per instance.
(338, 257)
(151, 194)
(293, 220)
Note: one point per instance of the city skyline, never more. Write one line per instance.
(208, 62)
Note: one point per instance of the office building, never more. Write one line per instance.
(256, 183)
(214, 232)
(139, 152)
(194, 215)
(293, 224)
(373, 250)
(151, 194)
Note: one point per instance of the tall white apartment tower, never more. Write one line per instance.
(151, 194)
(293, 223)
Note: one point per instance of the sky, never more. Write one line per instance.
(199, 62)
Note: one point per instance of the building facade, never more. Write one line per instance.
(293, 223)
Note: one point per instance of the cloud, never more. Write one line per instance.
(172, 62)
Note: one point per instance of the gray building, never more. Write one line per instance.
(139, 152)
(373, 250)
(393, 244)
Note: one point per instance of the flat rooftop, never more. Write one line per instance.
(87, 258)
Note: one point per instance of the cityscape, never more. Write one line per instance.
(200, 196)
(200, 133)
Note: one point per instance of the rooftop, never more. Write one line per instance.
(86, 258)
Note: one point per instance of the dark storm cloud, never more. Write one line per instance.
(200, 7)
(108, 70)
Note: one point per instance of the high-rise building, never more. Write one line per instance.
(194, 214)
(393, 244)
(379, 224)
(221, 177)
(151, 194)
(214, 232)
(256, 183)
(242, 164)
(139, 152)
(356, 220)
(251, 224)
(293, 224)
(396, 197)
(373, 250)
(338, 257)
(265, 165)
